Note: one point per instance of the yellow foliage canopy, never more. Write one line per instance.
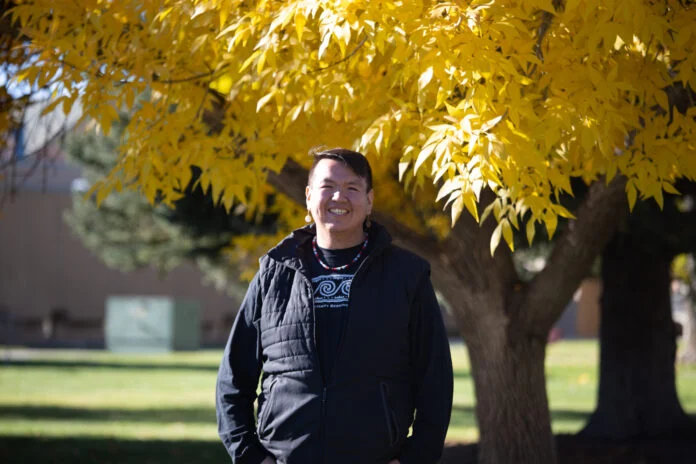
(515, 95)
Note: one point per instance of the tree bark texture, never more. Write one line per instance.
(637, 396)
(511, 401)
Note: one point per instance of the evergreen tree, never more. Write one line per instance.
(128, 233)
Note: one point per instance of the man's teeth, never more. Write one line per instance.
(338, 211)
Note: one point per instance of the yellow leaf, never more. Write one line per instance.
(163, 14)
(658, 198)
(51, 106)
(551, 221)
(632, 195)
(425, 78)
(471, 205)
(228, 199)
(223, 84)
(102, 192)
(507, 234)
(198, 42)
(403, 166)
(562, 211)
(669, 188)
(457, 208)
(513, 220)
(265, 99)
(662, 100)
(495, 238)
(224, 13)
(487, 211)
(326, 40)
(488, 125)
(425, 153)
(531, 230)
(546, 5)
(300, 21)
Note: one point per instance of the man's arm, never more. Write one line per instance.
(432, 379)
(237, 381)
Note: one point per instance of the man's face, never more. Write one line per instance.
(338, 200)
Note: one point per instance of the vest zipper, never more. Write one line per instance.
(322, 415)
(347, 324)
(324, 375)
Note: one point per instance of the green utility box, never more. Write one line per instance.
(151, 324)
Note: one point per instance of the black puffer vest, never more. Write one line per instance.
(362, 412)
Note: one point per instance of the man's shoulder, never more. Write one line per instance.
(407, 259)
(269, 266)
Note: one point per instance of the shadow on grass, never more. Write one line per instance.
(462, 416)
(187, 415)
(106, 365)
(577, 450)
(109, 451)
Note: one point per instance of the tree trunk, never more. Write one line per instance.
(637, 394)
(511, 402)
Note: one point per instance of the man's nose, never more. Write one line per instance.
(337, 194)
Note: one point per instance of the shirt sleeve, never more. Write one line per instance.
(432, 379)
(237, 382)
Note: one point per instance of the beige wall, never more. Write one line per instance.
(588, 314)
(43, 265)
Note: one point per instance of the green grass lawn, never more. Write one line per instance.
(89, 406)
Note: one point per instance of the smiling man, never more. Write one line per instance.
(345, 332)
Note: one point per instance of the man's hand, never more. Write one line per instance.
(268, 460)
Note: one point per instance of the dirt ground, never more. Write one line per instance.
(576, 450)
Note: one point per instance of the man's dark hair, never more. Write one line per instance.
(354, 160)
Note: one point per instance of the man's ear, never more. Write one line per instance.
(307, 193)
(370, 200)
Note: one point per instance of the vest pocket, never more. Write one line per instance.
(392, 425)
(266, 408)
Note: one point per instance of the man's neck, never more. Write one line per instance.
(333, 241)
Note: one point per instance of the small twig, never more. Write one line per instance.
(99, 74)
(38, 152)
(210, 74)
(348, 56)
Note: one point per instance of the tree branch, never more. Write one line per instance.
(547, 295)
(546, 19)
(467, 275)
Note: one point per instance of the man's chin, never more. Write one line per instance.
(336, 228)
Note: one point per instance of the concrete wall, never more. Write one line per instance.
(43, 265)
